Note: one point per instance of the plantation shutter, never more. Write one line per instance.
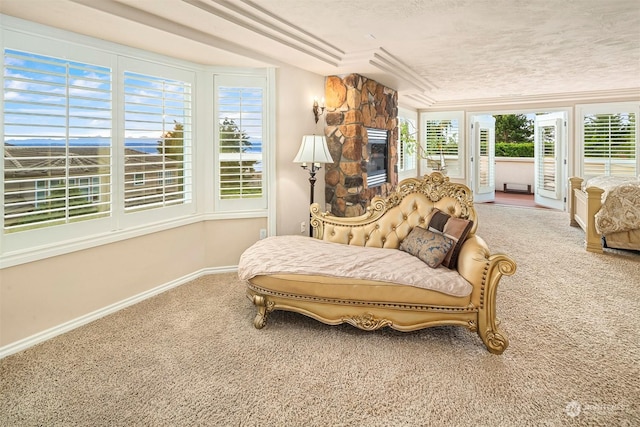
(485, 165)
(610, 144)
(158, 138)
(57, 141)
(442, 146)
(241, 132)
(549, 142)
(547, 164)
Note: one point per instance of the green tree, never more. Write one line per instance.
(514, 128)
(514, 149)
(172, 143)
(171, 146)
(232, 138)
(237, 178)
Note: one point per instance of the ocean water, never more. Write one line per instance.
(143, 145)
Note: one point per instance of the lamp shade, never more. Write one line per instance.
(313, 150)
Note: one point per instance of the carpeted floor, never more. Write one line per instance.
(191, 356)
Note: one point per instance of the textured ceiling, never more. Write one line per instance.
(435, 52)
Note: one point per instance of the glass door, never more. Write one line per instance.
(549, 147)
(483, 140)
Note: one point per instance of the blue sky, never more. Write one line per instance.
(37, 97)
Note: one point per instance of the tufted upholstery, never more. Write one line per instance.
(391, 227)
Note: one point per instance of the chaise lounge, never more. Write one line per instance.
(375, 270)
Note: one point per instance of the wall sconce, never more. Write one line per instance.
(318, 110)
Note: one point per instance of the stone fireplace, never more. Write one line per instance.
(362, 135)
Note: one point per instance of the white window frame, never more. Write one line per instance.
(138, 178)
(604, 108)
(23, 240)
(462, 140)
(166, 213)
(257, 206)
(33, 245)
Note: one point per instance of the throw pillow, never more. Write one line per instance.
(430, 247)
(454, 228)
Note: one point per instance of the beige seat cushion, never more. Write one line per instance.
(284, 255)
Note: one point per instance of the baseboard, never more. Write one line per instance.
(25, 343)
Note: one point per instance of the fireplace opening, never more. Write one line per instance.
(377, 152)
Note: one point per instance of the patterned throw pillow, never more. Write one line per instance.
(454, 228)
(430, 247)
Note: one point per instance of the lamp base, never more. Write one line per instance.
(312, 184)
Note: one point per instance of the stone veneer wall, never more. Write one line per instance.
(354, 103)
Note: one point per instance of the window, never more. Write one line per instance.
(443, 141)
(138, 179)
(609, 139)
(157, 134)
(88, 188)
(60, 145)
(240, 130)
(99, 142)
(57, 130)
(83, 130)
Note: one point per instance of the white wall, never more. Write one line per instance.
(296, 90)
(41, 295)
(517, 170)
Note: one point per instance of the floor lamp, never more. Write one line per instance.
(313, 150)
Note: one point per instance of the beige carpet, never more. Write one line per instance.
(191, 356)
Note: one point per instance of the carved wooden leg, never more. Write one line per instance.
(494, 339)
(264, 308)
